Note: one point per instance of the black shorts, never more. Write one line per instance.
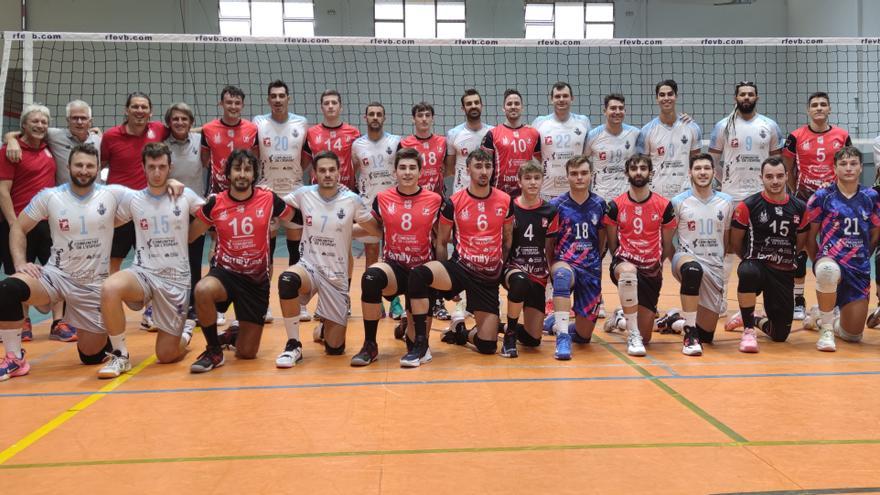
(123, 240)
(649, 282)
(535, 298)
(39, 245)
(401, 276)
(251, 298)
(778, 289)
(481, 295)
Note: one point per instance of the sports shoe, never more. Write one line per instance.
(221, 319)
(291, 354)
(11, 366)
(318, 333)
(457, 333)
(229, 337)
(382, 313)
(601, 310)
(549, 321)
(691, 345)
(439, 311)
(147, 320)
(396, 308)
(734, 322)
(116, 365)
(873, 320)
(208, 360)
(664, 324)
(811, 322)
(749, 341)
(304, 314)
(62, 332)
(800, 310)
(418, 355)
(563, 347)
(634, 344)
(368, 353)
(508, 344)
(612, 324)
(268, 318)
(826, 339)
(27, 331)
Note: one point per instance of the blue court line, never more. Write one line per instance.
(818, 491)
(444, 382)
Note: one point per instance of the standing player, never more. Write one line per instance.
(563, 136)
(609, 146)
(640, 226)
(239, 270)
(159, 274)
(332, 134)
(777, 226)
(809, 162)
(669, 142)
(511, 144)
(526, 270)
(578, 258)
(221, 136)
(844, 220)
(703, 233)
(407, 214)
(481, 218)
(464, 139)
(329, 212)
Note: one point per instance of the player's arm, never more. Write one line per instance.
(812, 247)
(739, 224)
(444, 230)
(13, 150)
(6, 201)
(202, 220)
(550, 239)
(697, 146)
(875, 237)
(610, 221)
(18, 231)
(205, 152)
(789, 160)
(371, 227)
(506, 239)
(449, 168)
(669, 224)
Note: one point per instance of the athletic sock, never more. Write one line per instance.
(12, 341)
(798, 290)
(632, 321)
(420, 325)
(291, 326)
(748, 316)
(371, 327)
(690, 318)
(210, 333)
(118, 343)
(560, 326)
(826, 318)
(511, 324)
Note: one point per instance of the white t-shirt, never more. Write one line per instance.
(748, 143)
(281, 147)
(375, 164)
(669, 148)
(461, 140)
(701, 226)
(559, 142)
(608, 153)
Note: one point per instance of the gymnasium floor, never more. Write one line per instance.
(787, 420)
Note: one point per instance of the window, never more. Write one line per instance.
(267, 17)
(419, 18)
(570, 20)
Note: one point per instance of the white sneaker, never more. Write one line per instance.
(221, 319)
(634, 344)
(304, 314)
(318, 333)
(799, 313)
(811, 321)
(117, 365)
(268, 318)
(291, 355)
(601, 310)
(612, 323)
(826, 339)
(147, 320)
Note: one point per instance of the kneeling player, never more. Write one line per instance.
(578, 254)
(525, 276)
(407, 214)
(329, 212)
(844, 225)
(703, 232)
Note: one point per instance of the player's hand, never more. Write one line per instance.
(13, 151)
(95, 130)
(175, 188)
(30, 269)
(687, 119)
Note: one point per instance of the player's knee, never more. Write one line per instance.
(13, 292)
(289, 284)
(628, 285)
(373, 281)
(749, 274)
(334, 351)
(562, 278)
(827, 276)
(691, 278)
(801, 260)
(485, 346)
(525, 338)
(419, 282)
(847, 336)
(518, 287)
(96, 358)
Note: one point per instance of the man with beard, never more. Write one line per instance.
(563, 135)
(464, 139)
(609, 146)
(511, 144)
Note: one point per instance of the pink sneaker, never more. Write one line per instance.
(749, 341)
(12, 366)
(734, 322)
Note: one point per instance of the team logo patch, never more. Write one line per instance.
(101, 209)
(499, 211)
(820, 139)
(240, 209)
(778, 211)
(797, 219)
(407, 204)
(223, 215)
(230, 133)
(544, 223)
(481, 207)
(627, 145)
(661, 150)
(577, 131)
(426, 211)
(260, 212)
(638, 210)
(763, 218)
(176, 211)
(63, 225)
(145, 225)
(295, 133)
(388, 150)
(805, 146)
(763, 134)
(151, 134)
(515, 133)
(836, 145)
(504, 141)
(340, 214)
(720, 216)
(684, 140)
(622, 217)
(734, 143)
(218, 138)
(465, 214)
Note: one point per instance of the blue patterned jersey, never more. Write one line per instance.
(577, 242)
(845, 225)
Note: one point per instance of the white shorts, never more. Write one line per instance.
(170, 300)
(333, 302)
(712, 287)
(83, 301)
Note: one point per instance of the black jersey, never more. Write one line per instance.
(771, 229)
(531, 228)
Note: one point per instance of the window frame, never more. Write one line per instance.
(437, 21)
(587, 23)
(284, 17)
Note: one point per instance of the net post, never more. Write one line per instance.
(4, 70)
(27, 70)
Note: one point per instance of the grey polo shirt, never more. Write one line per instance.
(61, 141)
(186, 163)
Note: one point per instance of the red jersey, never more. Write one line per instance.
(338, 140)
(408, 221)
(511, 147)
(221, 140)
(639, 227)
(479, 224)
(122, 152)
(243, 230)
(35, 171)
(433, 151)
(813, 153)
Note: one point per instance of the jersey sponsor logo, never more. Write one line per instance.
(464, 152)
(720, 216)
(778, 210)
(734, 143)
(692, 225)
(388, 150)
(805, 146)
(836, 145)
(548, 140)
(230, 133)
(407, 204)
(426, 211)
(145, 225)
(499, 211)
(309, 220)
(267, 142)
(260, 212)
(763, 217)
(151, 134)
(481, 207)
(602, 155)
(218, 139)
(295, 133)
(544, 223)
(820, 139)
(661, 150)
(465, 214)
(64, 225)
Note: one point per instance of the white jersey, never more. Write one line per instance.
(702, 225)
(327, 226)
(461, 140)
(669, 148)
(81, 228)
(748, 143)
(161, 225)
(559, 142)
(281, 146)
(374, 161)
(608, 153)
(876, 151)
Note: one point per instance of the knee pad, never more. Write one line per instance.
(518, 287)
(525, 338)
(96, 358)
(628, 285)
(562, 282)
(334, 351)
(13, 292)
(691, 278)
(827, 276)
(419, 283)
(846, 336)
(801, 270)
(749, 274)
(289, 284)
(485, 346)
(373, 281)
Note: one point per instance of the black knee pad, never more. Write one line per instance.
(373, 281)
(801, 260)
(96, 358)
(525, 338)
(293, 251)
(334, 351)
(691, 278)
(13, 292)
(485, 346)
(419, 282)
(518, 287)
(289, 284)
(749, 274)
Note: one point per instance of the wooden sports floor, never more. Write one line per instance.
(789, 420)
